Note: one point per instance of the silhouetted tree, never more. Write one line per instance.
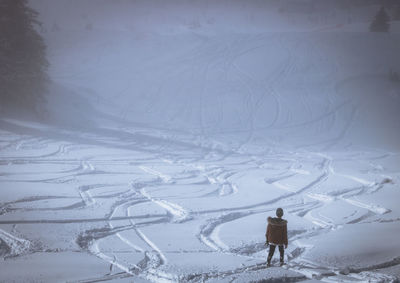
(380, 22)
(23, 63)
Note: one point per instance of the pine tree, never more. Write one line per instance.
(23, 63)
(381, 22)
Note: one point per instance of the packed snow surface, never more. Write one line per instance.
(165, 211)
(175, 147)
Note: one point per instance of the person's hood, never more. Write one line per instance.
(276, 221)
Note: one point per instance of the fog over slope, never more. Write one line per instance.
(246, 71)
(175, 128)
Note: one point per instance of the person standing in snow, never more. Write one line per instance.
(276, 235)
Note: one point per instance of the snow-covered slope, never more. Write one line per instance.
(172, 144)
(300, 89)
(257, 74)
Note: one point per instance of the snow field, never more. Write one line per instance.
(189, 139)
(166, 220)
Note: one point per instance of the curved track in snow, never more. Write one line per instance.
(161, 204)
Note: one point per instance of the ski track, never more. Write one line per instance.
(16, 246)
(209, 234)
(153, 256)
(179, 213)
(162, 176)
(307, 202)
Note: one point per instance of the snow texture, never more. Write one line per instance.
(170, 146)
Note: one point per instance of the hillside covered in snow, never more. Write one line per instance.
(177, 127)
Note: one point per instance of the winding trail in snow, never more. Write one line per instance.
(208, 160)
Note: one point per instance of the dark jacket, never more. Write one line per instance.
(277, 231)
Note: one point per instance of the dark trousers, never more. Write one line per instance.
(272, 250)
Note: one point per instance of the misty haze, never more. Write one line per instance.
(186, 140)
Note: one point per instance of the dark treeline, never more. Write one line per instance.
(23, 63)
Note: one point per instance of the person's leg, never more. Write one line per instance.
(271, 253)
(282, 253)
